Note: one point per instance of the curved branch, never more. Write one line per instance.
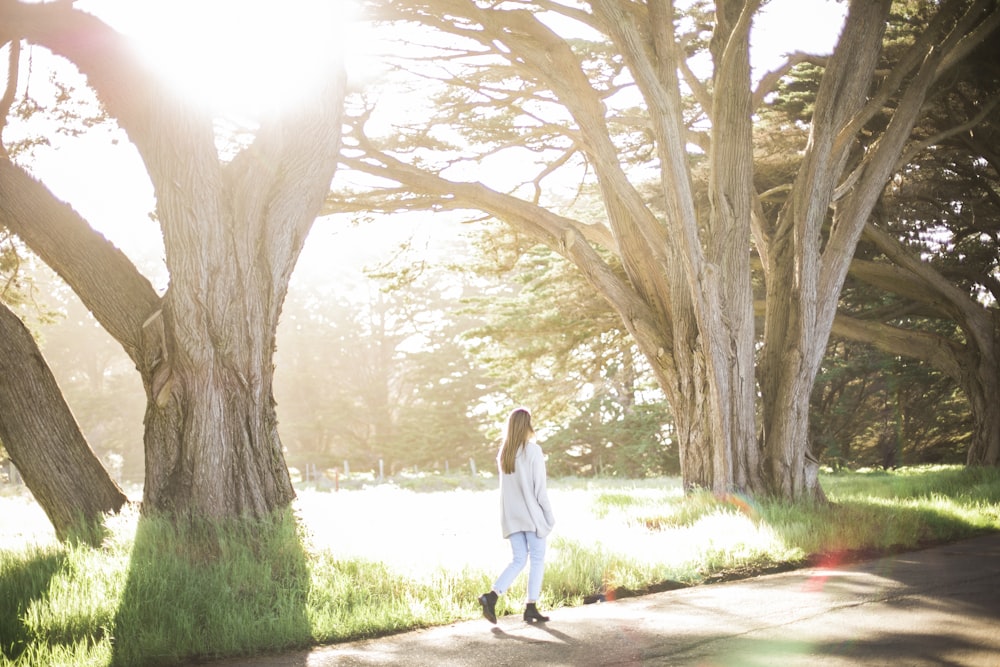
(939, 291)
(137, 100)
(569, 238)
(119, 297)
(444, 193)
(937, 351)
(771, 79)
(900, 282)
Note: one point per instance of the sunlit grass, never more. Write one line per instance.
(362, 563)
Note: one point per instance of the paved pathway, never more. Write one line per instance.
(939, 606)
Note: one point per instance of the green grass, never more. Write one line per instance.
(362, 563)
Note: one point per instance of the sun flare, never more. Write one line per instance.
(238, 58)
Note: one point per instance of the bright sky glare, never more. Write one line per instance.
(786, 26)
(239, 58)
(244, 59)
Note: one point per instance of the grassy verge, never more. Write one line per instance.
(158, 594)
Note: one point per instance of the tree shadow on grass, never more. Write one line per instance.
(197, 589)
(22, 582)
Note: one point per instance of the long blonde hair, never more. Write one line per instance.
(518, 431)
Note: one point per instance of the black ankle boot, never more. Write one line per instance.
(531, 614)
(489, 603)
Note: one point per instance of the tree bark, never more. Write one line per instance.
(232, 233)
(794, 339)
(43, 440)
(982, 386)
(729, 328)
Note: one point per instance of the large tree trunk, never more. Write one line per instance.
(806, 261)
(212, 446)
(727, 329)
(786, 381)
(44, 441)
(982, 389)
(232, 233)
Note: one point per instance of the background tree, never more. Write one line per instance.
(874, 409)
(943, 183)
(608, 91)
(380, 372)
(98, 381)
(548, 338)
(233, 227)
(933, 246)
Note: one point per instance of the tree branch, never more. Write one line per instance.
(13, 65)
(568, 238)
(939, 352)
(119, 297)
(900, 282)
(916, 148)
(286, 174)
(129, 93)
(771, 79)
(969, 314)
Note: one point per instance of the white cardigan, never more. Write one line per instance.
(523, 496)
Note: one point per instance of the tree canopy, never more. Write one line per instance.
(654, 107)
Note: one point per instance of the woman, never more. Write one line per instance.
(526, 515)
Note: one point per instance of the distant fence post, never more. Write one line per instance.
(347, 468)
(13, 474)
(472, 467)
(381, 470)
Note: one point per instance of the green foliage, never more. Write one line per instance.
(556, 346)
(606, 439)
(869, 408)
(796, 93)
(355, 599)
(63, 604)
(605, 501)
(383, 378)
(25, 579)
(583, 570)
(695, 506)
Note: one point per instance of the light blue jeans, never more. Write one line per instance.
(524, 546)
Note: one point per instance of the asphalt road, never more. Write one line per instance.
(938, 606)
